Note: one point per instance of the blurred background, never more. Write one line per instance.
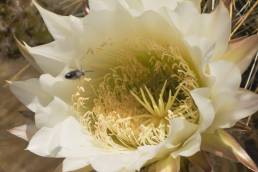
(20, 19)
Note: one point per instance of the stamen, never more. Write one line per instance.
(162, 108)
(135, 101)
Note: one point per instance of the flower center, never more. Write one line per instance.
(134, 102)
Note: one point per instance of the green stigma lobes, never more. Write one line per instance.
(134, 102)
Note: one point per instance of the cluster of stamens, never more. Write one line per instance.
(134, 103)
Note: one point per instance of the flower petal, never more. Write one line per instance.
(224, 145)
(56, 111)
(20, 132)
(241, 52)
(97, 5)
(184, 136)
(40, 142)
(137, 7)
(244, 106)
(66, 139)
(155, 6)
(180, 131)
(59, 26)
(212, 143)
(229, 102)
(194, 24)
(226, 76)
(205, 107)
(51, 58)
(149, 25)
(30, 93)
(224, 104)
(237, 150)
(134, 160)
(24, 131)
(66, 48)
(99, 35)
(168, 164)
(190, 146)
(71, 164)
(27, 55)
(225, 80)
(58, 86)
(247, 105)
(117, 161)
(71, 47)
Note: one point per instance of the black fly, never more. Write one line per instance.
(75, 74)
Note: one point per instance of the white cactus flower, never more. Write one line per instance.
(163, 75)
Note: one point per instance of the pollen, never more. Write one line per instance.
(133, 103)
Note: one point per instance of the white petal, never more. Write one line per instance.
(134, 160)
(30, 93)
(74, 140)
(156, 5)
(97, 5)
(122, 29)
(224, 103)
(248, 104)
(185, 135)
(59, 26)
(53, 57)
(116, 161)
(225, 80)
(214, 27)
(40, 142)
(219, 24)
(180, 131)
(244, 104)
(20, 132)
(168, 4)
(127, 161)
(168, 164)
(24, 131)
(64, 140)
(66, 49)
(58, 86)
(190, 147)
(197, 3)
(71, 164)
(56, 111)
(205, 107)
(24, 51)
(241, 52)
(204, 45)
(137, 7)
(134, 6)
(131, 161)
(226, 76)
